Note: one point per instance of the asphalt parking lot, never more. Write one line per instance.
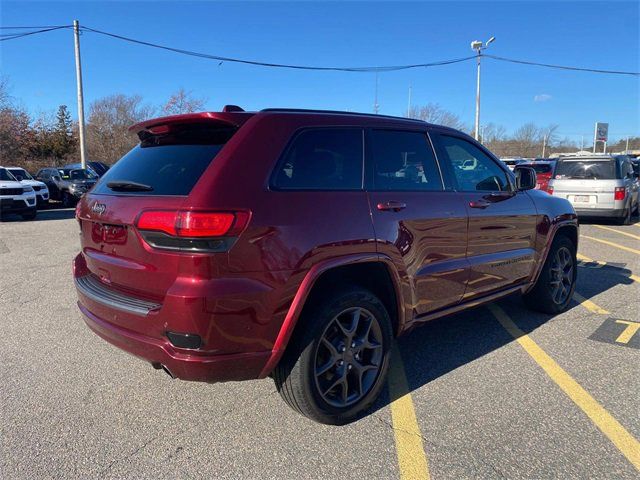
(497, 392)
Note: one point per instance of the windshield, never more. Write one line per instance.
(22, 172)
(586, 169)
(77, 174)
(6, 175)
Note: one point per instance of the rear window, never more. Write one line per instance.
(545, 168)
(585, 169)
(170, 163)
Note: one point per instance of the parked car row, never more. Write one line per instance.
(66, 184)
(598, 185)
(16, 197)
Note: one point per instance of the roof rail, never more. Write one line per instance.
(338, 112)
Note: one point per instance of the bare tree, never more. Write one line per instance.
(492, 133)
(5, 97)
(109, 119)
(182, 101)
(434, 113)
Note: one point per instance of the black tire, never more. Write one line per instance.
(626, 218)
(544, 295)
(67, 200)
(297, 376)
(30, 215)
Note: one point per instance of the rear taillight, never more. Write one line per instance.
(550, 190)
(191, 230)
(619, 193)
(78, 215)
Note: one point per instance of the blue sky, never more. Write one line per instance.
(591, 34)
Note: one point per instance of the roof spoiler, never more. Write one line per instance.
(233, 118)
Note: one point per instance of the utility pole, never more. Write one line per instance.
(409, 106)
(581, 143)
(478, 46)
(376, 107)
(477, 129)
(544, 145)
(626, 149)
(76, 36)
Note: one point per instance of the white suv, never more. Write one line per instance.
(25, 178)
(15, 197)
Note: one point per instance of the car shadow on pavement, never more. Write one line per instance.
(441, 346)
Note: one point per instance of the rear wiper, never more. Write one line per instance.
(128, 186)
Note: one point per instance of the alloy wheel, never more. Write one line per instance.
(561, 275)
(348, 357)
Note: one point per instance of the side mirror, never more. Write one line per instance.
(525, 178)
(56, 178)
(19, 177)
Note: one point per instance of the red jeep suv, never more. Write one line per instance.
(297, 244)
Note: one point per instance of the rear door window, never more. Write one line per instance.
(404, 161)
(170, 164)
(586, 169)
(322, 159)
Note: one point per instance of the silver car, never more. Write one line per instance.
(598, 185)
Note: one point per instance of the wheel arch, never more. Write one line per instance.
(563, 225)
(374, 272)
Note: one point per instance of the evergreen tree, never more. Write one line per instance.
(63, 142)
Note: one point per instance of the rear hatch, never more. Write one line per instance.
(586, 183)
(156, 175)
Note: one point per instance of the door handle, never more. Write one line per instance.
(391, 205)
(479, 204)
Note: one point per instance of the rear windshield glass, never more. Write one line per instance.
(544, 168)
(586, 169)
(165, 164)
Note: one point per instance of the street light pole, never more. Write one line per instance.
(76, 36)
(477, 130)
(478, 46)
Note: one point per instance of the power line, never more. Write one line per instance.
(11, 36)
(562, 67)
(22, 27)
(221, 59)
(278, 65)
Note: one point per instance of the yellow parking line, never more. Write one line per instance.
(617, 231)
(606, 242)
(621, 438)
(589, 305)
(583, 258)
(410, 450)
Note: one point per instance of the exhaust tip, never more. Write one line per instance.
(164, 368)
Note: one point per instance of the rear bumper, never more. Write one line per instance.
(600, 212)
(182, 365)
(234, 346)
